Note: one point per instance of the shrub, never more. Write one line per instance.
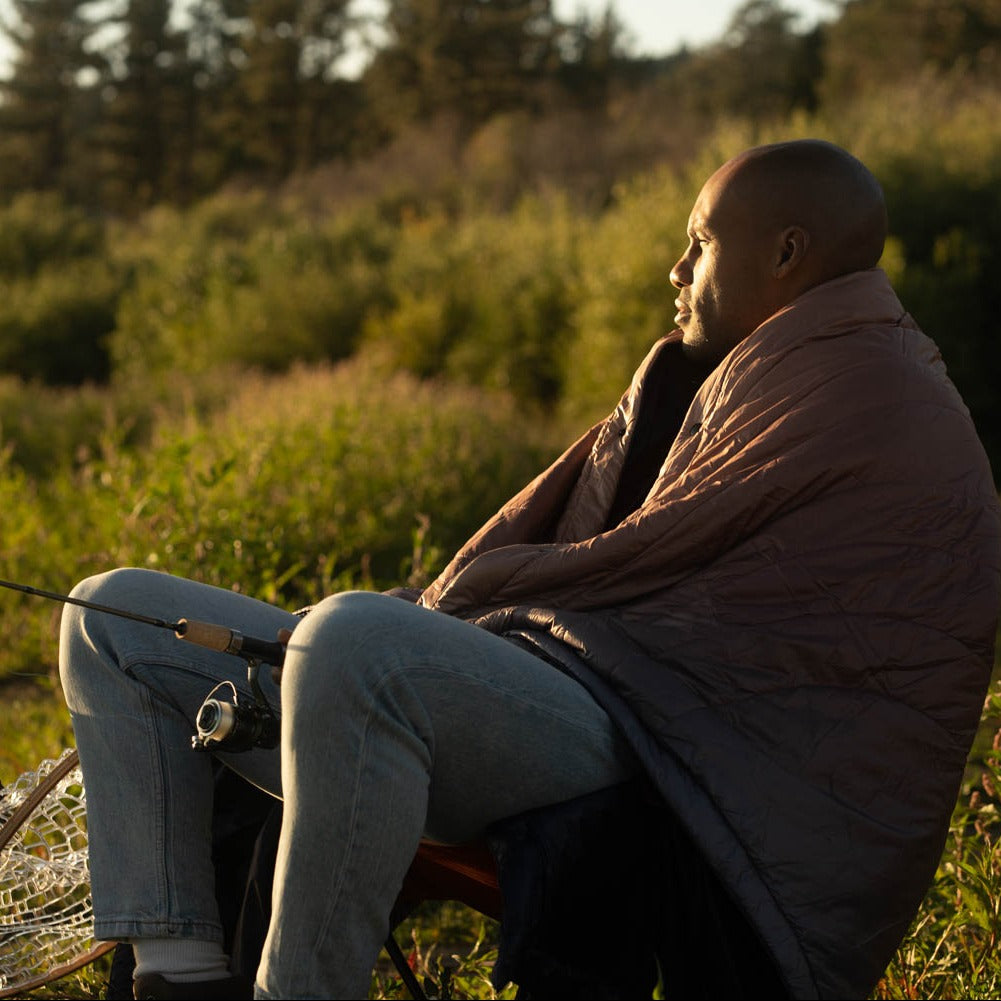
(46, 429)
(487, 299)
(55, 324)
(935, 146)
(626, 301)
(38, 229)
(210, 290)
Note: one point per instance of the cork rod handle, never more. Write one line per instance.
(205, 634)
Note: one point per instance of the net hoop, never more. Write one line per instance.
(14, 982)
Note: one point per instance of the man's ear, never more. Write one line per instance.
(792, 246)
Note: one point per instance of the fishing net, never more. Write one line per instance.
(45, 904)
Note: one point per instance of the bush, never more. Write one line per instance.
(935, 146)
(487, 299)
(626, 300)
(213, 288)
(46, 429)
(543, 300)
(60, 291)
(38, 229)
(54, 325)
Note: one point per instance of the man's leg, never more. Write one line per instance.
(133, 691)
(401, 722)
(405, 722)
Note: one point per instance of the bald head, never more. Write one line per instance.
(769, 225)
(824, 190)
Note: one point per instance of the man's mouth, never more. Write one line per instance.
(684, 312)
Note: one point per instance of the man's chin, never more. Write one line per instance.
(699, 348)
(695, 346)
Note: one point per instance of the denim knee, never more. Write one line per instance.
(76, 636)
(89, 638)
(344, 628)
(345, 648)
(113, 587)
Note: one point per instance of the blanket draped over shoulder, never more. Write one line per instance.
(795, 628)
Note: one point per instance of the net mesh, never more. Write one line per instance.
(45, 903)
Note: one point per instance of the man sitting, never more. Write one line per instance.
(768, 581)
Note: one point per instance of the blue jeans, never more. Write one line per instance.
(397, 723)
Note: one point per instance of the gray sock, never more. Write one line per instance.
(180, 959)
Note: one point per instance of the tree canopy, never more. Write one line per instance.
(133, 102)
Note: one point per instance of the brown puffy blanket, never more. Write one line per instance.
(795, 628)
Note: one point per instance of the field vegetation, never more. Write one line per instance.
(291, 375)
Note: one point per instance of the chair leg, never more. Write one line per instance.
(403, 968)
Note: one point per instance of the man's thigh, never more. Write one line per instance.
(504, 731)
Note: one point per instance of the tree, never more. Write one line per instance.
(213, 61)
(286, 90)
(590, 51)
(471, 58)
(877, 42)
(762, 67)
(41, 96)
(142, 142)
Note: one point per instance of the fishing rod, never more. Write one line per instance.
(221, 725)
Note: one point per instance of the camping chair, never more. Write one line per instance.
(572, 887)
(465, 873)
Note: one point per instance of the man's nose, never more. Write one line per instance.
(681, 274)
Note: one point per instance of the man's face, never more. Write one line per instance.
(724, 276)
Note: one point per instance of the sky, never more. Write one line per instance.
(659, 27)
